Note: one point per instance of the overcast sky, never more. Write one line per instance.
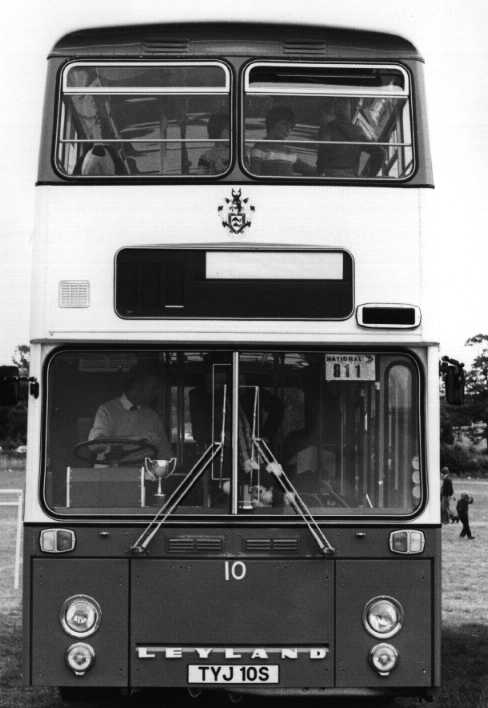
(450, 34)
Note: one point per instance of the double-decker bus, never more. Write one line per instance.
(232, 473)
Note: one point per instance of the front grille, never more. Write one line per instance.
(285, 545)
(195, 544)
(210, 544)
(181, 544)
(257, 545)
(262, 545)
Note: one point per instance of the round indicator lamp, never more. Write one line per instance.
(383, 617)
(80, 657)
(383, 658)
(80, 616)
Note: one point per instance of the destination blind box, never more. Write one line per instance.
(194, 283)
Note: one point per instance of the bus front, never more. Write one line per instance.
(232, 470)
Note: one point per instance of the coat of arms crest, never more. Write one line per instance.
(236, 218)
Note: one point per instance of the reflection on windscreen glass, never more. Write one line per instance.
(125, 428)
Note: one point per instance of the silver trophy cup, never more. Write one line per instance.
(160, 469)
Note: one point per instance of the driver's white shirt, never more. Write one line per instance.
(119, 418)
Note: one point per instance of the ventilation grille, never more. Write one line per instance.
(257, 545)
(285, 545)
(311, 48)
(210, 544)
(195, 544)
(165, 46)
(181, 544)
(262, 545)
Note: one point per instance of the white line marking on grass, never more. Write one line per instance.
(19, 493)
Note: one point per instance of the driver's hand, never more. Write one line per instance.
(101, 451)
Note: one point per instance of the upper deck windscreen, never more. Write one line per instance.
(327, 121)
(166, 120)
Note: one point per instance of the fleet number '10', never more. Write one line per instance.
(235, 570)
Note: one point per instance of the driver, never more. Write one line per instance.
(130, 415)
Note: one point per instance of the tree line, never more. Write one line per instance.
(470, 418)
(13, 419)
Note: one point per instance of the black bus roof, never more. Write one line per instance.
(234, 39)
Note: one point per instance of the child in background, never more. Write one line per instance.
(462, 508)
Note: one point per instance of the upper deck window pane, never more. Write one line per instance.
(145, 120)
(338, 80)
(327, 121)
(129, 77)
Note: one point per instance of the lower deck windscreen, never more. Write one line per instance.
(125, 426)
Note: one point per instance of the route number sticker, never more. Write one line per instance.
(350, 367)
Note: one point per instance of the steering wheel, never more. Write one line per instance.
(120, 449)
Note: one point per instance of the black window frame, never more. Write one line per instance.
(321, 179)
(349, 270)
(239, 519)
(231, 84)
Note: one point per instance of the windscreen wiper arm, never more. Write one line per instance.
(161, 516)
(292, 495)
(168, 507)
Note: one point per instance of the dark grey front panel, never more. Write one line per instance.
(408, 581)
(55, 580)
(185, 605)
(191, 602)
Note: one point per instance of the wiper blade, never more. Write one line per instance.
(161, 516)
(292, 495)
(165, 511)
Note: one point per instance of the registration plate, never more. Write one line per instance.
(232, 673)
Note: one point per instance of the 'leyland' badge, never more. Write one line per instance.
(237, 219)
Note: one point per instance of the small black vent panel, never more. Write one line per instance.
(210, 544)
(257, 545)
(262, 545)
(165, 46)
(401, 316)
(285, 545)
(304, 48)
(181, 544)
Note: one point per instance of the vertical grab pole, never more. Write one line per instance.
(235, 433)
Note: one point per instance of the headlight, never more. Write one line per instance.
(383, 617)
(80, 657)
(80, 616)
(383, 658)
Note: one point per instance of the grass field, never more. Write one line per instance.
(465, 615)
